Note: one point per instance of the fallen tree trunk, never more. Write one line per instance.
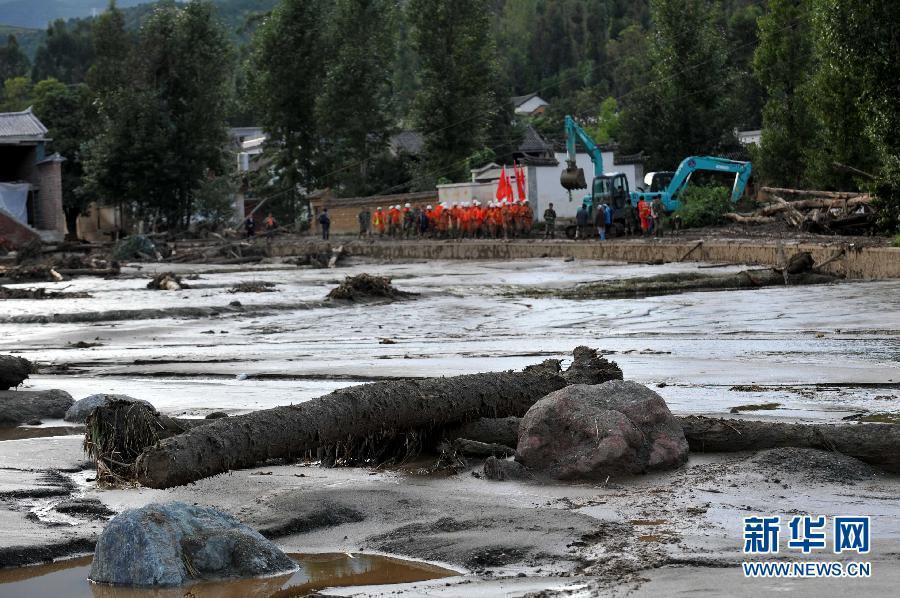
(810, 192)
(23, 406)
(667, 284)
(362, 424)
(14, 371)
(748, 218)
(876, 444)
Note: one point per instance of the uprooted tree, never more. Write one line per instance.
(370, 423)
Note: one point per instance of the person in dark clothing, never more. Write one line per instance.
(365, 219)
(325, 223)
(550, 222)
(582, 220)
(250, 226)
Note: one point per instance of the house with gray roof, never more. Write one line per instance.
(30, 182)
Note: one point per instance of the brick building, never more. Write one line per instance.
(345, 210)
(30, 181)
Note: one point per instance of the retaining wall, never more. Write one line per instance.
(856, 262)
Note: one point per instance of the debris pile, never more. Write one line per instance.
(14, 370)
(365, 286)
(320, 259)
(253, 286)
(136, 247)
(39, 293)
(166, 281)
(812, 211)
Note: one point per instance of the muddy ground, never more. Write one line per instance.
(818, 353)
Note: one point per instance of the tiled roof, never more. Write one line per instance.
(21, 126)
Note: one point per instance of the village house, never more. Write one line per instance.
(30, 182)
(529, 105)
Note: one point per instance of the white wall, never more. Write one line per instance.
(547, 188)
(462, 192)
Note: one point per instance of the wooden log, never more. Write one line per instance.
(22, 406)
(13, 371)
(792, 214)
(360, 424)
(809, 192)
(876, 444)
(748, 218)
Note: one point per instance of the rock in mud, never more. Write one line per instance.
(89, 508)
(171, 544)
(21, 406)
(81, 409)
(591, 432)
(501, 470)
(13, 371)
(590, 368)
(365, 286)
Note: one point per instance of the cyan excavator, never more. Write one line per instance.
(612, 189)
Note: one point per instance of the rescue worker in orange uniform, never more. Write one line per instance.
(527, 218)
(643, 209)
(455, 213)
(378, 221)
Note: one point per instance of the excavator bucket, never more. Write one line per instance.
(572, 178)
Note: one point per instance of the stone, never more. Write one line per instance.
(81, 409)
(172, 544)
(501, 470)
(21, 406)
(594, 431)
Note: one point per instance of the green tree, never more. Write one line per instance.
(608, 125)
(783, 64)
(354, 110)
(13, 61)
(684, 110)
(112, 47)
(16, 94)
(859, 44)
(67, 112)
(457, 101)
(287, 66)
(66, 53)
(164, 127)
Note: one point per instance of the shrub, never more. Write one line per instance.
(704, 206)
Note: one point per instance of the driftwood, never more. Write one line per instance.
(748, 218)
(876, 444)
(14, 370)
(23, 406)
(809, 192)
(371, 423)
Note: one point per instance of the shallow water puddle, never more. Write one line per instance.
(317, 571)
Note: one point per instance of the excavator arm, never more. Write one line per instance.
(573, 177)
(692, 164)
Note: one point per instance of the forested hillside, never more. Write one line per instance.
(332, 81)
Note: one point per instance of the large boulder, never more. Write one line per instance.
(22, 406)
(13, 371)
(591, 432)
(175, 543)
(81, 409)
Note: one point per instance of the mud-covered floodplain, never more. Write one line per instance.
(812, 354)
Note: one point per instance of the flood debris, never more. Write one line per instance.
(81, 409)
(23, 406)
(755, 407)
(39, 293)
(371, 423)
(812, 210)
(875, 444)
(166, 281)
(136, 247)
(14, 370)
(329, 258)
(253, 286)
(118, 430)
(363, 287)
(800, 270)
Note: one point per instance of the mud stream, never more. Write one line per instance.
(317, 571)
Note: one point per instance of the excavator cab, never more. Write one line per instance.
(611, 189)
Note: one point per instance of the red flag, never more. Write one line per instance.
(504, 189)
(520, 181)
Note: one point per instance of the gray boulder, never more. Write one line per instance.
(22, 406)
(591, 432)
(81, 409)
(171, 544)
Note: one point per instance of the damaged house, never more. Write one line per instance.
(30, 182)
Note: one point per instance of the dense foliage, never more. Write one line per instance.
(332, 81)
